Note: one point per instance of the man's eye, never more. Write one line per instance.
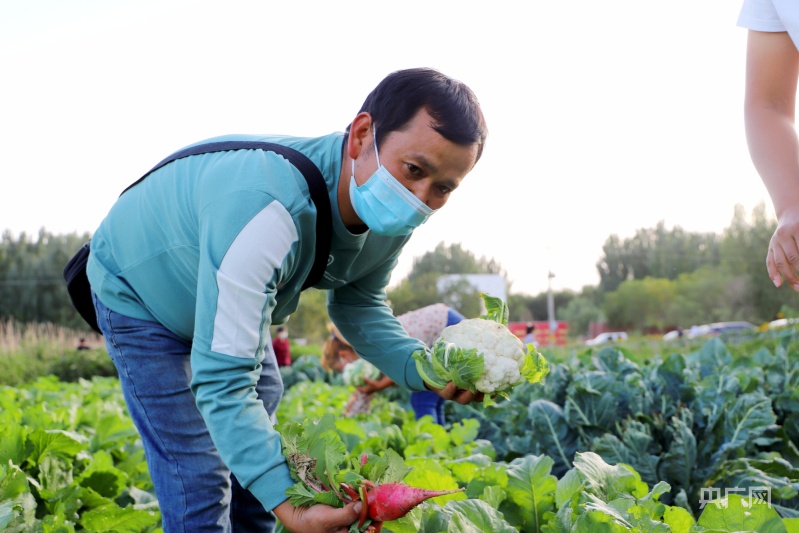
(413, 169)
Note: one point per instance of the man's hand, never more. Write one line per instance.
(318, 518)
(451, 392)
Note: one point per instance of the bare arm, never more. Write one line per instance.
(772, 68)
(376, 385)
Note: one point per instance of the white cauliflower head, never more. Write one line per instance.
(503, 352)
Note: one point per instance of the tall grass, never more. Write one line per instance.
(28, 351)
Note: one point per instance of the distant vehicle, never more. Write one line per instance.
(700, 331)
(716, 328)
(725, 327)
(674, 335)
(608, 336)
(782, 323)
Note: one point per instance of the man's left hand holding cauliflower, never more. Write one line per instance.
(481, 355)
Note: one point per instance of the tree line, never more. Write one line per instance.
(658, 279)
(661, 279)
(32, 285)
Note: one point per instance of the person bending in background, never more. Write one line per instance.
(338, 353)
(772, 68)
(425, 324)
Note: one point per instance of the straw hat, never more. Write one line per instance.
(331, 327)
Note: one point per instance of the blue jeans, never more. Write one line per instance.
(196, 491)
(428, 403)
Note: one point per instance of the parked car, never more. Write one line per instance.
(608, 336)
(716, 328)
(674, 334)
(726, 327)
(782, 323)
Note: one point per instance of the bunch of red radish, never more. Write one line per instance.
(387, 501)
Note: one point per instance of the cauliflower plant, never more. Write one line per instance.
(482, 355)
(355, 371)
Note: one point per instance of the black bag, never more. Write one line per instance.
(75, 270)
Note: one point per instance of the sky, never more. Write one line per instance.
(604, 117)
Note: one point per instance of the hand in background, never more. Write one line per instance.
(375, 385)
(782, 261)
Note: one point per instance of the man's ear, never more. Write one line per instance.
(360, 133)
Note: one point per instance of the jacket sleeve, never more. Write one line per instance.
(360, 311)
(237, 285)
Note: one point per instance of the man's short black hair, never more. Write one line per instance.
(451, 104)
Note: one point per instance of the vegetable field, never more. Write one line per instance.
(71, 460)
(701, 441)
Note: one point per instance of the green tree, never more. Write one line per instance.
(519, 307)
(414, 293)
(711, 294)
(536, 307)
(743, 253)
(579, 313)
(452, 259)
(655, 252)
(32, 287)
(420, 287)
(640, 304)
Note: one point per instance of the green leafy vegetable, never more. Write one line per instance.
(317, 459)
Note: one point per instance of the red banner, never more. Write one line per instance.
(544, 336)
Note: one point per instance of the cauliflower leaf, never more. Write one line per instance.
(447, 362)
(496, 309)
(535, 367)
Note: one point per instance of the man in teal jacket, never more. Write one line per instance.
(192, 266)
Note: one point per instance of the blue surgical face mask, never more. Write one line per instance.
(385, 205)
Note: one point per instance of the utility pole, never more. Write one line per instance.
(553, 325)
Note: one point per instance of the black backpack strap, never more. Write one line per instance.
(314, 178)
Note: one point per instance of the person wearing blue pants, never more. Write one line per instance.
(193, 265)
(425, 324)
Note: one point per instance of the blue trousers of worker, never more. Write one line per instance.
(196, 492)
(428, 403)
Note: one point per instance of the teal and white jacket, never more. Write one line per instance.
(216, 247)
